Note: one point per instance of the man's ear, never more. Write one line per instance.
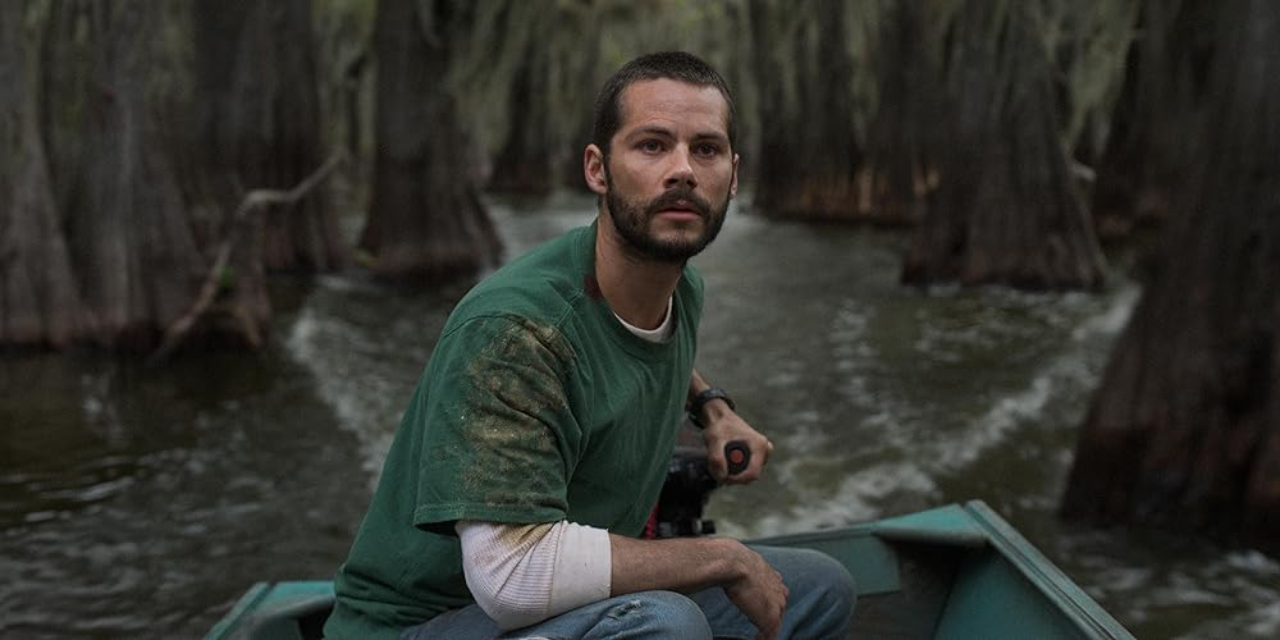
(733, 184)
(593, 169)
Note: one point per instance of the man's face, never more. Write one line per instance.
(671, 172)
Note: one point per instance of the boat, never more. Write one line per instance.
(958, 571)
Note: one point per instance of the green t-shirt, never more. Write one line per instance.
(537, 406)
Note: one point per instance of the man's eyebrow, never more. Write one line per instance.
(656, 130)
(714, 136)
(651, 130)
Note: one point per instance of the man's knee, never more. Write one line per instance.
(823, 594)
(841, 587)
(834, 594)
(835, 578)
(658, 614)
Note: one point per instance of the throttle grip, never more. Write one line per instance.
(738, 456)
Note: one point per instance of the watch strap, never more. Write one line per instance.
(700, 400)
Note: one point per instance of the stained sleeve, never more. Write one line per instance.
(499, 436)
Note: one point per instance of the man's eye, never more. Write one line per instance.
(707, 150)
(651, 146)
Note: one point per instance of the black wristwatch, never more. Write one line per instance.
(700, 400)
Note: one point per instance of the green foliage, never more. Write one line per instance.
(341, 31)
(566, 48)
(491, 51)
(571, 46)
(171, 79)
(1090, 42)
(226, 278)
(347, 13)
(795, 53)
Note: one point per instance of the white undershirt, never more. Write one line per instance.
(652, 335)
(523, 574)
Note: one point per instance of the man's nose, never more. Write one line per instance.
(680, 174)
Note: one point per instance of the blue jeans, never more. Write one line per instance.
(820, 607)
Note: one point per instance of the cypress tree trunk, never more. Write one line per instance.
(259, 121)
(578, 132)
(39, 301)
(809, 152)
(1184, 431)
(528, 159)
(65, 58)
(1007, 210)
(427, 223)
(898, 140)
(131, 240)
(1164, 96)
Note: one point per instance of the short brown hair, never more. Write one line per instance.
(671, 65)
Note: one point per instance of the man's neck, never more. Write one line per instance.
(636, 289)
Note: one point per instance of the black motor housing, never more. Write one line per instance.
(684, 496)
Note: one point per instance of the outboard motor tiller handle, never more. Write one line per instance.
(738, 455)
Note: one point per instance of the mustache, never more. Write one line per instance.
(675, 197)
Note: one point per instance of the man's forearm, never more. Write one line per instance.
(697, 384)
(683, 565)
(686, 565)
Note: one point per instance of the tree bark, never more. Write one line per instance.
(65, 64)
(131, 240)
(40, 305)
(528, 159)
(1007, 210)
(427, 223)
(259, 122)
(1164, 95)
(809, 151)
(1184, 431)
(580, 116)
(900, 168)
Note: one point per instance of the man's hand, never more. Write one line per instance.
(759, 594)
(725, 426)
(688, 565)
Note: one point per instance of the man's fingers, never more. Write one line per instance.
(773, 607)
(760, 456)
(760, 449)
(719, 468)
(769, 629)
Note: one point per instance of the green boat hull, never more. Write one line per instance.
(952, 573)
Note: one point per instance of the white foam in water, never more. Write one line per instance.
(1266, 621)
(349, 387)
(991, 429)
(1115, 318)
(855, 501)
(1260, 622)
(1240, 585)
(1028, 406)
(1254, 562)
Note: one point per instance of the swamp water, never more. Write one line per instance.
(141, 503)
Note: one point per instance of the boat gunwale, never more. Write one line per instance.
(972, 526)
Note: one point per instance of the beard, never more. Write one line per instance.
(633, 219)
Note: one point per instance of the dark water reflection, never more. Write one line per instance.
(141, 503)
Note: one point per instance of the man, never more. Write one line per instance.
(537, 441)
